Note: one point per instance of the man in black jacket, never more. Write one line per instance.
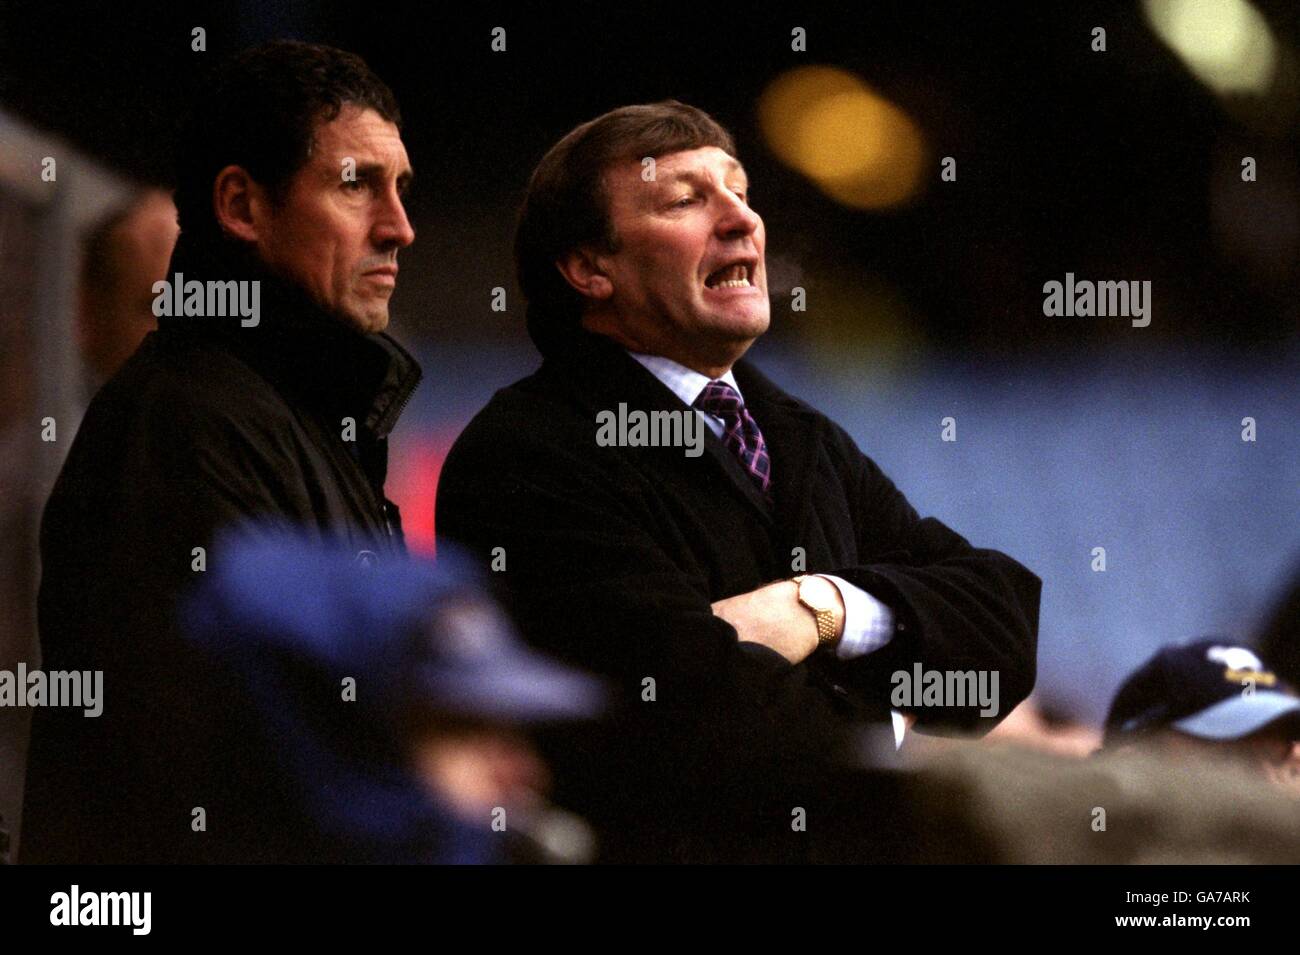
(273, 407)
(657, 547)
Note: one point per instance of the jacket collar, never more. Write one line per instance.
(601, 374)
(332, 369)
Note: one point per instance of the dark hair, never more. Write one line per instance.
(260, 111)
(566, 206)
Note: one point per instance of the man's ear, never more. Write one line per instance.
(582, 269)
(238, 203)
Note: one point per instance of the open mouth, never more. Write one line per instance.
(735, 275)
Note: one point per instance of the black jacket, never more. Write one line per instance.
(209, 424)
(612, 557)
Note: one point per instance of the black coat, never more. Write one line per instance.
(614, 555)
(208, 425)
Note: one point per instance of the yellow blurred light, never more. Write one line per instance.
(863, 151)
(858, 148)
(1227, 44)
(789, 97)
(840, 136)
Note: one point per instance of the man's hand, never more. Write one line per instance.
(773, 616)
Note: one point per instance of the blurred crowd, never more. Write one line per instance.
(1199, 759)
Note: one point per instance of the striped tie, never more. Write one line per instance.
(742, 436)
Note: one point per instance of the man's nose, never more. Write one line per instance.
(392, 227)
(736, 219)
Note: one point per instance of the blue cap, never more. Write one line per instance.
(1211, 689)
(468, 661)
(412, 633)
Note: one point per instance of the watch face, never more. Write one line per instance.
(818, 592)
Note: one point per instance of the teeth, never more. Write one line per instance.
(736, 276)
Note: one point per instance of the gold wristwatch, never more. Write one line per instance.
(818, 595)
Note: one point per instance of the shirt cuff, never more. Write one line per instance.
(868, 624)
(900, 727)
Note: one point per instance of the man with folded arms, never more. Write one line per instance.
(751, 601)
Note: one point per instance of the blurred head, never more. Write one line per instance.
(1210, 700)
(666, 257)
(473, 766)
(1044, 727)
(124, 256)
(297, 155)
(1269, 754)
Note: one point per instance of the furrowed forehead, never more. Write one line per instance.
(359, 132)
(375, 151)
(625, 185)
(674, 170)
(679, 167)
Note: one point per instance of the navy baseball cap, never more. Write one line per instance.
(411, 633)
(1211, 689)
(468, 661)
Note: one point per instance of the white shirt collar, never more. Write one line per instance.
(685, 383)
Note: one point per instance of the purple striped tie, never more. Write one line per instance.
(742, 436)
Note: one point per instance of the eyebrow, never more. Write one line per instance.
(371, 169)
(694, 175)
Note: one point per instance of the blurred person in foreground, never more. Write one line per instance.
(751, 578)
(270, 396)
(1212, 703)
(1036, 724)
(1194, 770)
(393, 706)
(123, 256)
